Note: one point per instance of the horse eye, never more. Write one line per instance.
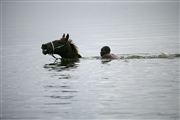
(59, 41)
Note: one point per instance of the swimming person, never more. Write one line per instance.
(105, 53)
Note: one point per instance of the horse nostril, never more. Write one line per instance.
(43, 46)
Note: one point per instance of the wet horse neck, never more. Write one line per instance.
(68, 53)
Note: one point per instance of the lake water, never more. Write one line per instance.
(91, 89)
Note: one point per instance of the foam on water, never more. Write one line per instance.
(139, 56)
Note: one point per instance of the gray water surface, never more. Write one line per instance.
(89, 89)
(34, 87)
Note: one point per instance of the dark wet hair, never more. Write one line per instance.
(105, 50)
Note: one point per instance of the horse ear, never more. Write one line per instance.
(67, 37)
(63, 36)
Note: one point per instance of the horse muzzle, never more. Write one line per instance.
(44, 51)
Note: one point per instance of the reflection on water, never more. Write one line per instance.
(62, 65)
(60, 91)
(104, 61)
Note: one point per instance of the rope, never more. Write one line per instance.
(54, 50)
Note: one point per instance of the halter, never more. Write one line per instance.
(52, 47)
(55, 48)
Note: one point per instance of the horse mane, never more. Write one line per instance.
(73, 47)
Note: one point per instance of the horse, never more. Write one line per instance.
(63, 47)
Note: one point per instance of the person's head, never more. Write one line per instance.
(105, 50)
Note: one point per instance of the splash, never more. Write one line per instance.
(149, 56)
(142, 56)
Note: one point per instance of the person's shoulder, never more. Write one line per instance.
(113, 56)
(110, 56)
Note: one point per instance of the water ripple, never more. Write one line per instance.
(59, 97)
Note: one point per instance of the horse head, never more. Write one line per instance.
(63, 47)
